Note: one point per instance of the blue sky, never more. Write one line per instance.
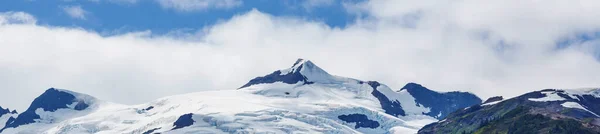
(114, 16)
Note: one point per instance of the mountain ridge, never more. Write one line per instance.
(543, 111)
(303, 98)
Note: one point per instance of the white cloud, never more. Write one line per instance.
(309, 4)
(75, 12)
(114, 1)
(124, 1)
(198, 5)
(16, 18)
(497, 49)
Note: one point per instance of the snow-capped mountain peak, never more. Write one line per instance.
(6, 116)
(303, 71)
(43, 108)
(6, 111)
(54, 99)
(440, 103)
(585, 91)
(308, 69)
(303, 98)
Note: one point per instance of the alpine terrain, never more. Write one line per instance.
(574, 111)
(301, 99)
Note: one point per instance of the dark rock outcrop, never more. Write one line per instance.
(183, 121)
(493, 99)
(292, 77)
(361, 120)
(51, 100)
(391, 107)
(440, 104)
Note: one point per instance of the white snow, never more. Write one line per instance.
(493, 103)
(416, 121)
(4, 118)
(312, 72)
(263, 108)
(293, 68)
(406, 100)
(550, 96)
(402, 130)
(316, 74)
(577, 105)
(573, 93)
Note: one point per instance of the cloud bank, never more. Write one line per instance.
(493, 48)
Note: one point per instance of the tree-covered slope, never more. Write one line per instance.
(545, 111)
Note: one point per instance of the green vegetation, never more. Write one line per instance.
(518, 121)
(512, 116)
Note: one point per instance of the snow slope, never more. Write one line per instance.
(300, 99)
(6, 116)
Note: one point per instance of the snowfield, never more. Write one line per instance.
(5, 117)
(550, 96)
(301, 99)
(572, 98)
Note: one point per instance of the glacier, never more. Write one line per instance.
(300, 99)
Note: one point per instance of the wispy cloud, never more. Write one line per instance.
(309, 4)
(114, 1)
(16, 18)
(75, 12)
(124, 1)
(198, 5)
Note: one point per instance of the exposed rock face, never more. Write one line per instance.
(493, 99)
(391, 107)
(183, 121)
(361, 120)
(302, 71)
(51, 100)
(5, 111)
(441, 104)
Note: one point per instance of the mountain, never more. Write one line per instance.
(545, 111)
(53, 105)
(6, 116)
(440, 104)
(301, 99)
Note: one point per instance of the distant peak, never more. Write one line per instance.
(301, 71)
(585, 90)
(55, 91)
(54, 98)
(4, 111)
(298, 61)
(51, 100)
(296, 67)
(441, 104)
(306, 66)
(493, 99)
(413, 86)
